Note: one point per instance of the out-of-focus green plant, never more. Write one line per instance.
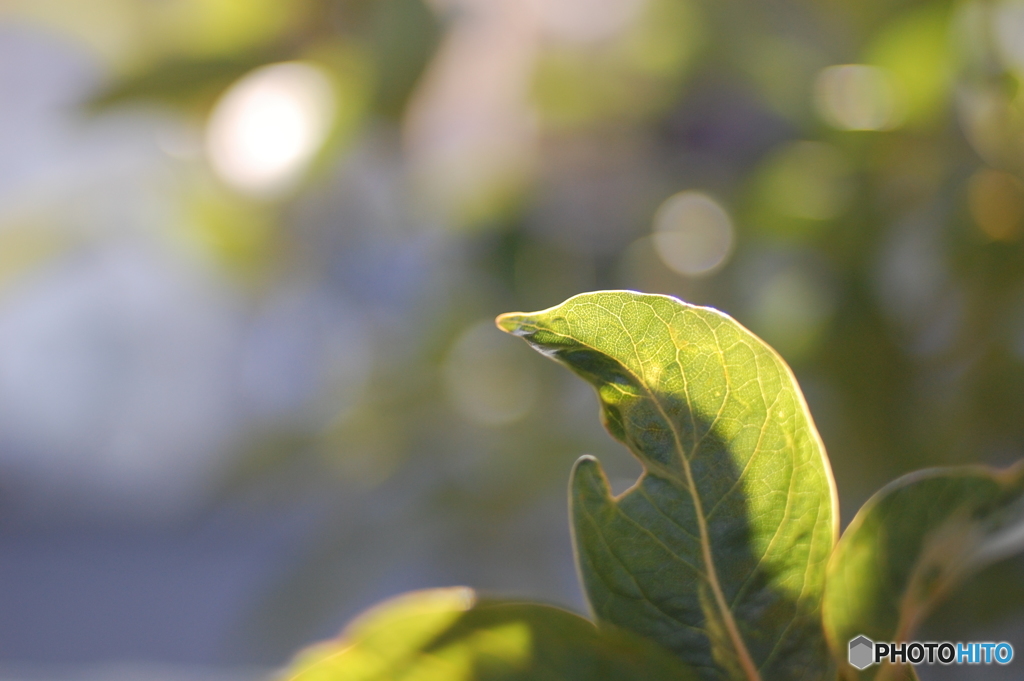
(724, 551)
(861, 162)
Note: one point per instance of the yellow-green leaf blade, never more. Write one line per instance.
(719, 551)
(450, 635)
(909, 545)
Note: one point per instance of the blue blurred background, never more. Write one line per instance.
(251, 250)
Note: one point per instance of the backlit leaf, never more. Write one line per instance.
(718, 552)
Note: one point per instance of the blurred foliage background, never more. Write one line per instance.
(250, 251)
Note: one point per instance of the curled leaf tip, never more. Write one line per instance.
(512, 322)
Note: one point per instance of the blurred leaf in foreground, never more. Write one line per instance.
(450, 635)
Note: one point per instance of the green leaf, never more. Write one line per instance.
(450, 635)
(909, 545)
(718, 552)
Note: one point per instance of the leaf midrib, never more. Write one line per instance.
(739, 646)
(749, 668)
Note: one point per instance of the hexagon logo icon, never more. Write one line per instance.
(862, 652)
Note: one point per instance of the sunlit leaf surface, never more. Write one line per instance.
(909, 545)
(449, 635)
(719, 551)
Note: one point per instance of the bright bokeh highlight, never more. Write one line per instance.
(858, 97)
(693, 234)
(269, 125)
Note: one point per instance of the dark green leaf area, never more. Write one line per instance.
(449, 635)
(641, 566)
(911, 544)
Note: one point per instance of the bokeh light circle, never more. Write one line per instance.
(693, 234)
(267, 127)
